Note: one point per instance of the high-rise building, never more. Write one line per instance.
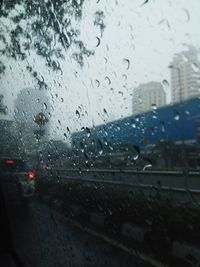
(148, 96)
(185, 75)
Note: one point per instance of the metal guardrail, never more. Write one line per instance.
(146, 173)
(163, 182)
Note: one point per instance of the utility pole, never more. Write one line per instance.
(40, 119)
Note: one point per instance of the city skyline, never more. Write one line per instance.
(102, 90)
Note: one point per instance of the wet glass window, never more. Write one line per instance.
(100, 114)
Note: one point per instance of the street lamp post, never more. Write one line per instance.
(41, 120)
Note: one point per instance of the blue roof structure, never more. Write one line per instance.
(177, 122)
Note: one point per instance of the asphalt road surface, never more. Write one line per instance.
(43, 238)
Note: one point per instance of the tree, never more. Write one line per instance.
(45, 27)
(3, 108)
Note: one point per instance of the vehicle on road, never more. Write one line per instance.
(18, 168)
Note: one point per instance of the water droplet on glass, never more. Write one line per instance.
(78, 114)
(108, 80)
(97, 83)
(105, 111)
(100, 152)
(133, 125)
(124, 76)
(176, 116)
(187, 14)
(147, 166)
(153, 106)
(68, 130)
(98, 41)
(45, 106)
(88, 131)
(136, 153)
(165, 83)
(62, 100)
(137, 118)
(127, 62)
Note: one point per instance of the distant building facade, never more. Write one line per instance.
(185, 75)
(147, 96)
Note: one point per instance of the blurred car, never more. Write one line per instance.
(18, 168)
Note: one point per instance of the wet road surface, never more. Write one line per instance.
(44, 238)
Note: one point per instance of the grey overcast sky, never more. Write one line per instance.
(147, 35)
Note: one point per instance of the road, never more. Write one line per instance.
(43, 238)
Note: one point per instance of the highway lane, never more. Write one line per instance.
(42, 237)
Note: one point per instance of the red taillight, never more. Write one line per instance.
(31, 175)
(9, 161)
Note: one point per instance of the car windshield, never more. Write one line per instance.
(100, 108)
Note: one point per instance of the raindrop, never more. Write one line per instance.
(145, 2)
(147, 166)
(118, 128)
(153, 106)
(120, 92)
(137, 154)
(88, 131)
(62, 100)
(98, 41)
(108, 80)
(162, 126)
(165, 83)
(45, 106)
(78, 114)
(127, 61)
(68, 130)
(105, 111)
(97, 83)
(100, 152)
(65, 135)
(176, 116)
(133, 125)
(124, 76)
(137, 118)
(187, 14)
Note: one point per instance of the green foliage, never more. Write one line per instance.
(46, 27)
(99, 17)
